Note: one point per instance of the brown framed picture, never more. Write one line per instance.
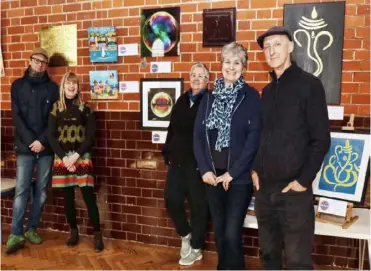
(219, 27)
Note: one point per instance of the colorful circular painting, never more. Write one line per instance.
(161, 104)
(161, 26)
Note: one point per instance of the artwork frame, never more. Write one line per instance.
(160, 32)
(341, 160)
(216, 23)
(102, 43)
(318, 35)
(155, 113)
(104, 85)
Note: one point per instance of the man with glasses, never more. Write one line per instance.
(32, 98)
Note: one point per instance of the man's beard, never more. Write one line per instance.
(34, 73)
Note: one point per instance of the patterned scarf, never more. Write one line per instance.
(192, 97)
(221, 110)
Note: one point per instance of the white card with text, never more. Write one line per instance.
(159, 137)
(158, 67)
(130, 49)
(335, 112)
(332, 206)
(129, 87)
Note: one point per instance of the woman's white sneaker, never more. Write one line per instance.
(195, 255)
(186, 248)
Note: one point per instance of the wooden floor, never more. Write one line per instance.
(119, 255)
(54, 254)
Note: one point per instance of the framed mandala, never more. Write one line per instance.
(158, 97)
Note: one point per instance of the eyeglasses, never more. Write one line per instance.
(198, 76)
(38, 61)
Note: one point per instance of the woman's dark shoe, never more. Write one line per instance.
(74, 239)
(98, 242)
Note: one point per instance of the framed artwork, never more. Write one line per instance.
(160, 32)
(343, 172)
(102, 44)
(318, 33)
(60, 42)
(104, 84)
(219, 27)
(157, 99)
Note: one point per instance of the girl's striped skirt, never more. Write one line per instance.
(83, 176)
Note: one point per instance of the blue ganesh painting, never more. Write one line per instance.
(341, 166)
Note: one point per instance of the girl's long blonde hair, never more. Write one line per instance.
(62, 99)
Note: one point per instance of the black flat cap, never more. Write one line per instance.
(275, 30)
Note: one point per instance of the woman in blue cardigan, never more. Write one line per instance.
(226, 138)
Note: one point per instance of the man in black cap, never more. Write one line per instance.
(32, 98)
(295, 137)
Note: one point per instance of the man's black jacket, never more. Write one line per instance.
(32, 99)
(295, 134)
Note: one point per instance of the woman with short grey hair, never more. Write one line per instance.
(226, 138)
(236, 50)
(204, 72)
(183, 180)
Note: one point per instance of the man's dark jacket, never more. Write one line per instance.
(295, 133)
(244, 135)
(32, 100)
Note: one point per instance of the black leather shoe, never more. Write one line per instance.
(98, 242)
(74, 239)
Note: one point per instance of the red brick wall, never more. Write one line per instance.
(131, 200)
(21, 21)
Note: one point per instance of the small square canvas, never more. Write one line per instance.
(219, 26)
(102, 44)
(104, 84)
(343, 173)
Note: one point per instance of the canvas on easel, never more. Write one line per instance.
(343, 175)
(343, 172)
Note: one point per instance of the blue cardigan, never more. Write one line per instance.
(244, 136)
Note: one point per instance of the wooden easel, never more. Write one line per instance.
(350, 124)
(344, 222)
(251, 212)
